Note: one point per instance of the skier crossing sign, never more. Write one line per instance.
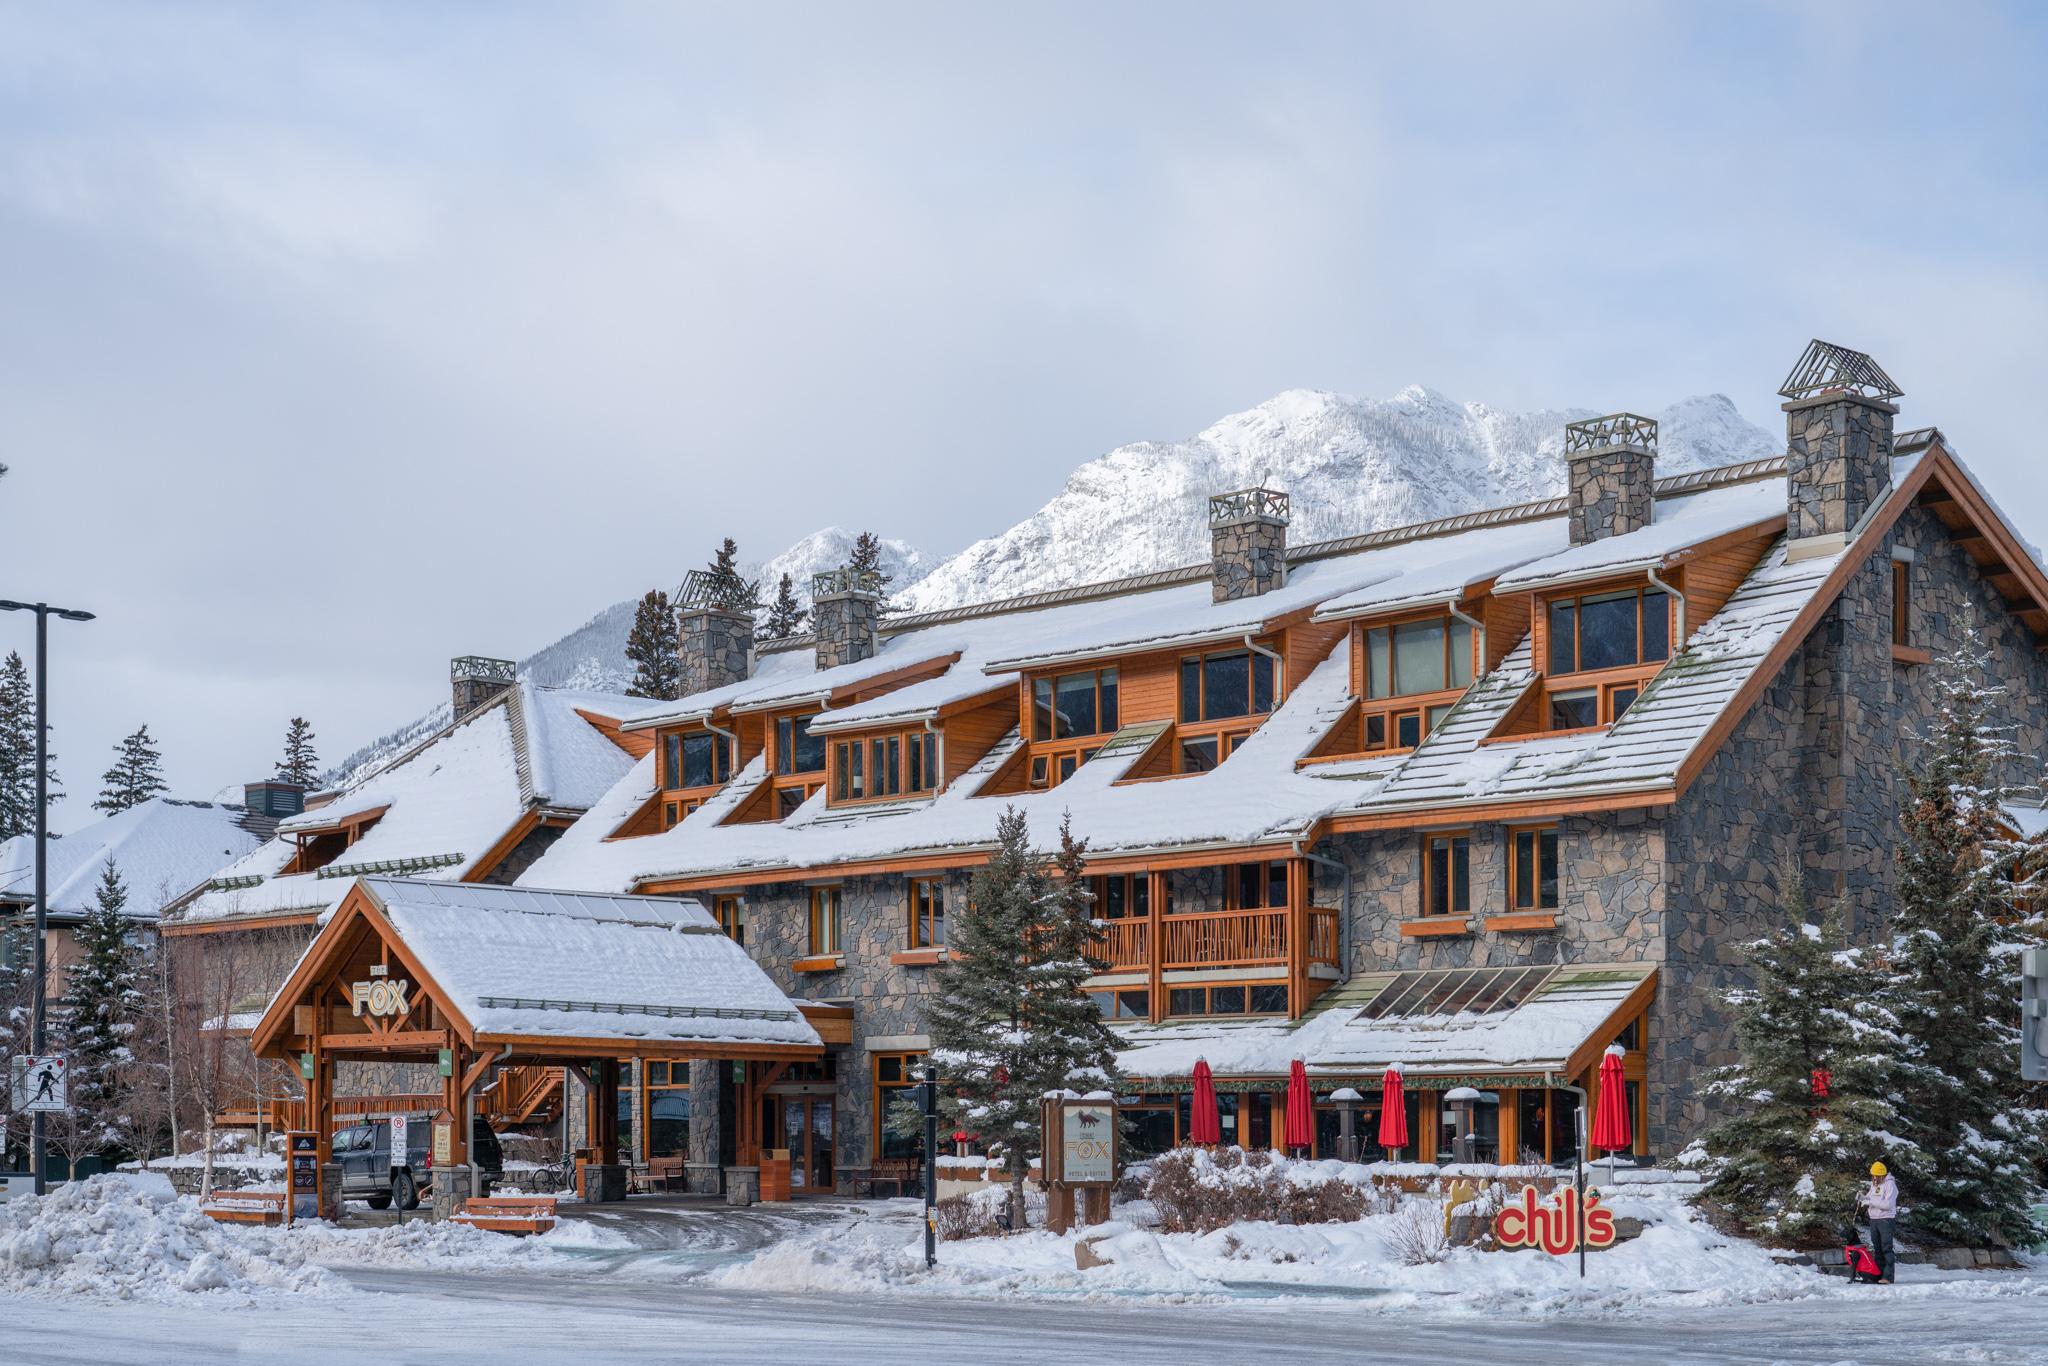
(39, 1085)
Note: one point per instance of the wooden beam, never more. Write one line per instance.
(376, 1043)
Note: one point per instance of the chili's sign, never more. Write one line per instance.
(1529, 1222)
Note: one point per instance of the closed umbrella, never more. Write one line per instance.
(1203, 1125)
(1301, 1109)
(1393, 1110)
(1610, 1120)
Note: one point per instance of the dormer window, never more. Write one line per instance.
(1074, 705)
(1414, 672)
(700, 760)
(1225, 684)
(881, 766)
(796, 749)
(1614, 630)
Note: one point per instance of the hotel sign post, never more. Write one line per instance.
(1080, 1154)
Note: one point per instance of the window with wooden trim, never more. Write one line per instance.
(902, 763)
(824, 921)
(1068, 706)
(1597, 705)
(1127, 1004)
(694, 759)
(896, 1073)
(1223, 684)
(1902, 602)
(1532, 869)
(1447, 874)
(1051, 767)
(1255, 886)
(1121, 895)
(1619, 629)
(1234, 998)
(927, 913)
(1411, 673)
(732, 916)
(796, 749)
(1200, 753)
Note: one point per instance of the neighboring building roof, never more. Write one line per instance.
(1459, 1022)
(162, 848)
(1681, 524)
(547, 965)
(447, 804)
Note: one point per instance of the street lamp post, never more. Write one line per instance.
(43, 612)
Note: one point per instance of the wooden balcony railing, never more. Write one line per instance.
(1218, 939)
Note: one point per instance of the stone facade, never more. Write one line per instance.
(1247, 544)
(1610, 491)
(845, 622)
(1838, 450)
(474, 681)
(717, 648)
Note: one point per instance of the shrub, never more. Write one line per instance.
(1194, 1190)
(1417, 1234)
(971, 1216)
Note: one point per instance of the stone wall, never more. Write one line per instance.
(1247, 557)
(525, 854)
(716, 647)
(1838, 456)
(1611, 492)
(845, 624)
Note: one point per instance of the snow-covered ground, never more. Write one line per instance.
(118, 1270)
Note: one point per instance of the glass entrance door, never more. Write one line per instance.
(806, 1131)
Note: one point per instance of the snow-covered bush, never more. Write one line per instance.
(1194, 1190)
(975, 1215)
(1418, 1234)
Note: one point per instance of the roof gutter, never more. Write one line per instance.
(1478, 628)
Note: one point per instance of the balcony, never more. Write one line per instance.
(1218, 939)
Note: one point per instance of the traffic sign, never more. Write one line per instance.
(39, 1085)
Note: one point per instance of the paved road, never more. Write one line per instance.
(607, 1313)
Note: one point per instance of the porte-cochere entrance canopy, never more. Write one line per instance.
(472, 976)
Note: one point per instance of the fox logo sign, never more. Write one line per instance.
(380, 996)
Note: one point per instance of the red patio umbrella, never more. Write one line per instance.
(1393, 1110)
(1203, 1125)
(1610, 1120)
(1301, 1108)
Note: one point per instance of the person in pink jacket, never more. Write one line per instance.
(1880, 1200)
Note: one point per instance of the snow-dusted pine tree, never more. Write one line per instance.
(867, 557)
(18, 751)
(16, 1005)
(102, 996)
(731, 590)
(1007, 1019)
(1953, 984)
(300, 764)
(785, 614)
(137, 774)
(1811, 1113)
(653, 647)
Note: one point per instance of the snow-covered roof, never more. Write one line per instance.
(162, 848)
(446, 802)
(1444, 1023)
(548, 964)
(2028, 819)
(1442, 569)
(1681, 523)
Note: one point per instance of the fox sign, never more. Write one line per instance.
(380, 996)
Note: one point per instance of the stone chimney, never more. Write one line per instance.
(1247, 543)
(477, 680)
(715, 642)
(1612, 467)
(846, 612)
(1838, 445)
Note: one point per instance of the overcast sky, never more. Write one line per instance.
(336, 344)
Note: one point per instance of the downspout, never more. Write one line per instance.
(1343, 914)
(732, 745)
(1678, 643)
(1279, 666)
(1478, 630)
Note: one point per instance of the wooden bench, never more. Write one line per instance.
(246, 1207)
(666, 1173)
(518, 1214)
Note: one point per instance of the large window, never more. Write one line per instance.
(1447, 874)
(1073, 705)
(1431, 655)
(903, 764)
(896, 1073)
(1119, 895)
(1124, 1005)
(1532, 869)
(824, 921)
(1609, 630)
(1228, 683)
(927, 913)
(1256, 886)
(702, 759)
(796, 749)
(1263, 998)
(668, 1109)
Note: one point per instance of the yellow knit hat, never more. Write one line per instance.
(1877, 1169)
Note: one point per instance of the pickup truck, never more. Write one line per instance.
(369, 1172)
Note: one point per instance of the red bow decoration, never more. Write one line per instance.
(1822, 1079)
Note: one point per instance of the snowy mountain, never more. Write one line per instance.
(1349, 465)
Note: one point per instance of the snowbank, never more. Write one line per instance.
(119, 1237)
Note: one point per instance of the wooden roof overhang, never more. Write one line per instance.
(1190, 640)
(273, 920)
(314, 1005)
(995, 692)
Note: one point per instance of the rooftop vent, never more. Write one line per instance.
(1828, 368)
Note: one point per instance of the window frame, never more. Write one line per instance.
(908, 1065)
(1208, 990)
(1425, 710)
(826, 945)
(1546, 608)
(1453, 839)
(1276, 691)
(1536, 837)
(922, 923)
(674, 746)
(903, 761)
(1051, 681)
(730, 910)
(1902, 602)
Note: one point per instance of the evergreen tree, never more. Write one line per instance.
(300, 764)
(785, 615)
(730, 590)
(1954, 976)
(18, 752)
(102, 1000)
(867, 558)
(16, 1007)
(1811, 1077)
(137, 774)
(653, 647)
(1007, 1018)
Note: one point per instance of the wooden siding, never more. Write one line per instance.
(1709, 581)
(971, 734)
(637, 743)
(1507, 621)
(1306, 645)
